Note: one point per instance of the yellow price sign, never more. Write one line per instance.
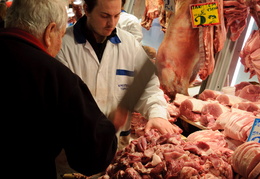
(204, 14)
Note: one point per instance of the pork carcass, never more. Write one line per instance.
(177, 58)
(187, 52)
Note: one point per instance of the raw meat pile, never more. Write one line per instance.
(232, 114)
(246, 160)
(169, 156)
(138, 123)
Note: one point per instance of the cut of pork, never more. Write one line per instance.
(191, 108)
(251, 93)
(246, 159)
(229, 100)
(235, 125)
(209, 94)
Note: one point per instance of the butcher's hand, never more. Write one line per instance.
(120, 117)
(162, 125)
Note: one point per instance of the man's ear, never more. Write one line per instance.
(85, 6)
(49, 34)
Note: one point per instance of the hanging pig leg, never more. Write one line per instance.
(178, 55)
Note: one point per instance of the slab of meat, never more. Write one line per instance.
(179, 98)
(229, 100)
(215, 138)
(209, 94)
(153, 9)
(250, 54)
(235, 13)
(240, 86)
(210, 112)
(178, 55)
(251, 93)
(235, 125)
(191, 108)
(254, 6)
(246, 160)
(248, 106)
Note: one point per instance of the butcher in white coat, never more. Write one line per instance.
(107, 59)
(130, 23)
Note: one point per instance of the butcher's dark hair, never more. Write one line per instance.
(90, 5)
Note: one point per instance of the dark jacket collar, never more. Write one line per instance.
(23, 35)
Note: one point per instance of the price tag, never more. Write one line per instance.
(255, 131)
(204, 14)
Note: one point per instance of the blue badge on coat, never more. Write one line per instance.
(124, 72)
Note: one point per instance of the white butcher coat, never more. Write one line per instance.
(105, 84)
(130, 23)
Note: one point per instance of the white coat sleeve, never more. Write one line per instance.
(152, 102)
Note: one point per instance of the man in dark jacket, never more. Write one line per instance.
(44, 106)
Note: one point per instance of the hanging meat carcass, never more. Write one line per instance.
(153, 9)
(186, 52)
(250, 54)
(178, 53)
(235, 13)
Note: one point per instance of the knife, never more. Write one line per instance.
(136, 89)
(133, 94)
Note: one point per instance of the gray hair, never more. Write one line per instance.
(33, 16)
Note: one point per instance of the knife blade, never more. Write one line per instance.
(136, 89)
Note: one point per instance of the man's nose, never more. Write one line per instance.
(112, 21)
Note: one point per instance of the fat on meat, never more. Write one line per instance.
(255, 172)
(235, 125)
(248, 106)
(216, 139)
(246, 160)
